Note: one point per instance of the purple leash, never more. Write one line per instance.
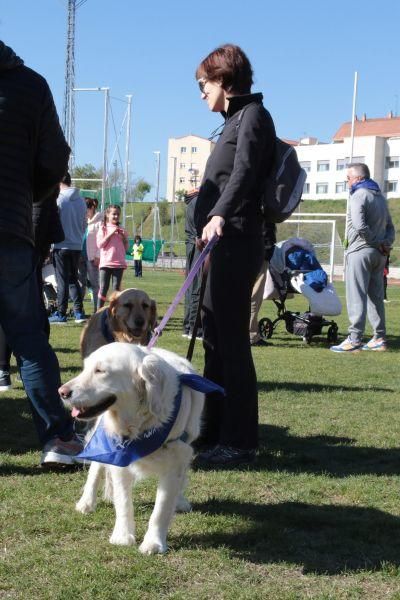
(188, 281)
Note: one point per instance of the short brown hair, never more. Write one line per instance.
(230, 65)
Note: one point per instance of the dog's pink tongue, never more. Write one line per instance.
(75, 412)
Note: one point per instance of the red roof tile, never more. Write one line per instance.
(386, 127)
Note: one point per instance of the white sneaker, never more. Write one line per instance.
(5, 381)
(59, 453)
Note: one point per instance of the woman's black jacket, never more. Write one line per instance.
(237, 167)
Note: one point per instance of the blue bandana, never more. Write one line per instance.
(105, 330)
(369, 184)
(121, 451)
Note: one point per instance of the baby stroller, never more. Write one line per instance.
(294, 269)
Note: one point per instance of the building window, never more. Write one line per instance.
(322, 188)
(306, 165)
(341, 164)
(182, 166)
(390, 186)
(392, 162)
(306, 188)
(183, 149)
(323, 165)
(181, 180)
(194, 149)
(340, 187)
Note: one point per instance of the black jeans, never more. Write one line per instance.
(105, 275)
(231, 420)
(138, 268)
(66, 267)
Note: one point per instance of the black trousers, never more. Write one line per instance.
(66, 267)
(105, 276)
(193, 292)
(231, 420)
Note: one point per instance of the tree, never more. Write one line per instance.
(139, 190)
(180, 195)
(87, 172)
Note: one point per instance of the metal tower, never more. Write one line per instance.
(69, 101)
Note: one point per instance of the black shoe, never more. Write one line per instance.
(221, 456)
(259, 342)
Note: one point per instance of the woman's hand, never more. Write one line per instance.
(214, 226)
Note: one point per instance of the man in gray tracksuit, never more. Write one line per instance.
(370, 235)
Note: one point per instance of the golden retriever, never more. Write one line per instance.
(135, 389)
(130, 317)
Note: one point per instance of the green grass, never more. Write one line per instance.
(317, 517)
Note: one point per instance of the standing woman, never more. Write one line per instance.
(229, 205)
(113, 242)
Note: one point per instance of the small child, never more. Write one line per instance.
(137, 252)
(112, 240)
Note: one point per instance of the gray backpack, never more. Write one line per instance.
(283, 184)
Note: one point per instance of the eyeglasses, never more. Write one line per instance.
(202, 82)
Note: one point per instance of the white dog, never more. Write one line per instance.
(135, 391)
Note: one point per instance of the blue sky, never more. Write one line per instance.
(304, 55)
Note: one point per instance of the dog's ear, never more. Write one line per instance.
(113, 302)
(153, 314)
(161, 385)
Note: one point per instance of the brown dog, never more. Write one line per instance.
(130, 317)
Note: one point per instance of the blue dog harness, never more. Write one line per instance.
(122, 451)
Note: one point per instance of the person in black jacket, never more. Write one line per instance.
(229, 205)
(34, 157)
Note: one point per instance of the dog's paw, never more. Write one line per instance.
(84, 506)
(153, 546)
(122, 538)
(183, 505)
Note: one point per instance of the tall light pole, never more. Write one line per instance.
(156, 200)
(68, 121)
(171, 248)
(127, 143)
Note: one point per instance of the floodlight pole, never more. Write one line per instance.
(105, 141)
(157, 153)
(127, 144)
(106, 91)
(353, 118)
(172, 210)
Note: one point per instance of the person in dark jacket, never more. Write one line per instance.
(229, 205)
(192, 253)
(47, 229)
(34, 157)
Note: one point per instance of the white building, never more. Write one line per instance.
(187, 157)
(376, 143)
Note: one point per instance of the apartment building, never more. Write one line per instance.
(187, 157)
(376, 143)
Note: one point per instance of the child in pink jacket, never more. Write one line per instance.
(112, 240)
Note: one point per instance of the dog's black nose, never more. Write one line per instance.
(139, 321)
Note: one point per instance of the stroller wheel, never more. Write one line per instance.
(265, 328)
(332, 334)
